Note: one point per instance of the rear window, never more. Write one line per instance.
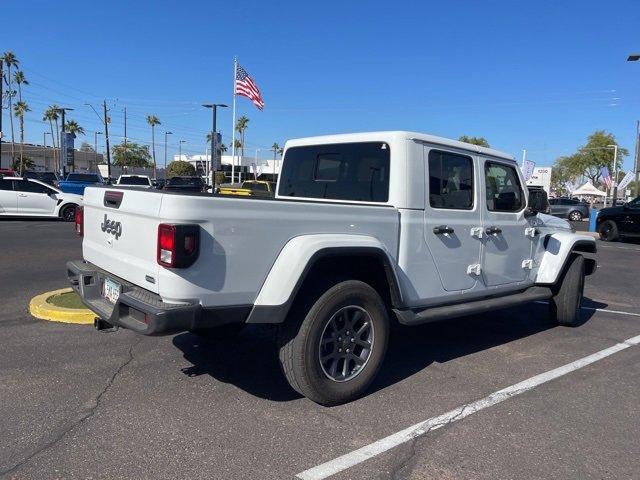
(344, 171)
(83, 177)
(185, 181)
(134, 181)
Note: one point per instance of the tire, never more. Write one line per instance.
(335, 329)
(564, 307)
(575, 216)
(223, 332)
(68, 213)
(608, 231)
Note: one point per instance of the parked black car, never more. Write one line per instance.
(616, 223)
(185, 184)
(574, 210)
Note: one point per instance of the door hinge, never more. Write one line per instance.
(527, 264)
(530, 232)
(476, 232)
(474, 269)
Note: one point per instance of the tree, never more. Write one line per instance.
(71, 126)
(591, 157)
(241, 126)
(27, 163)
(131, 155)
(223, 148)
(180, 168)
(237, 143)
(51, 115)
(20, 80)
(10, 60)
(86, 147)
(153, 121)
(481, 141)
(20, 109)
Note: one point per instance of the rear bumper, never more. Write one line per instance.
(136, 309)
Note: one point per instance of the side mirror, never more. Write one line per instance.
(538, 202)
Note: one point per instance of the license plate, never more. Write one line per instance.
(111, 290)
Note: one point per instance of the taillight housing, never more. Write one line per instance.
(78, 219)
(178, 245)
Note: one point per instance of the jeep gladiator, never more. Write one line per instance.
(365, 230)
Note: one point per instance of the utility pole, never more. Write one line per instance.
(636, 163)
(106, 138)
(615, 175)
(1, 114)
(95, 146)
(165, 153)
(125, 135)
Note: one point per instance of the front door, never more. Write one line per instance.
(7, 197)
(452, 217)
(35, 198)
(506, 245)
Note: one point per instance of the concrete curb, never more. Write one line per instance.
(39, 308)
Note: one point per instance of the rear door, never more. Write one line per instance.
(506, 245)
(8, 199)
(34, 198)
(450, 216)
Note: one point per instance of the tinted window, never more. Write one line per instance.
(180, 181)
(553, 201)
(83, 177)
(450, 180)
(6, 185)
(135, 180)
(33, 187)
(344, 171)
(504, 193)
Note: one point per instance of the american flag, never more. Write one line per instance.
(606, 176)
(246, 87)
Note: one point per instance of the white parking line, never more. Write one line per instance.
(376, 448)
(619, 248)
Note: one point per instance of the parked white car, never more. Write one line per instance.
(139, 181)
(27, 197)
(365, 230)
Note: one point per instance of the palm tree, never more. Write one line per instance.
(73, 127)
(223, 148)
(238, 144)
(241, 125)
(10, 60)
(277, 150)
(19, 110)
(20, 80)
(51, 115)
(153, 121)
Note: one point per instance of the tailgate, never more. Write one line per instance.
(120, 233)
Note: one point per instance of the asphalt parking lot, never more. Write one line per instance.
(76, 403)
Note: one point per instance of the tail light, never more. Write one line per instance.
(79, 220)
(178, 245)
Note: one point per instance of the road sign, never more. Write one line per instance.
(66, 147)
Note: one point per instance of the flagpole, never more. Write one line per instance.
(233, 126)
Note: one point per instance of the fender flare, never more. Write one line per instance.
(298, 257)
(558, 249)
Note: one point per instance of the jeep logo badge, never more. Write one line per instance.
(111, 226)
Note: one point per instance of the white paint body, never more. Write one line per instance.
(48, 203)
(254, 251)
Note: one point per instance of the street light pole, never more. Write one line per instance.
(95, 146)
(44, 138)
(615, 174)
(165, 153)
(180, 148)
(634, 57)
(214, 108)
(1, 106)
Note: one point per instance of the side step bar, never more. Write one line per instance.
(432, 314)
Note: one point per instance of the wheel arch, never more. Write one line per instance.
(64, 205)
(303, 260)
(559, 247)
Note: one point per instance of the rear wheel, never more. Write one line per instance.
(564, 306)
(575, 216)
(332, 352)
(608, 231)
(68, 213)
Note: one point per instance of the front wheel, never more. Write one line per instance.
(68, 213)
(333, 354)
(608, 231)
(565, 304)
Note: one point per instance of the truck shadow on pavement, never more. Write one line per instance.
(250, 362)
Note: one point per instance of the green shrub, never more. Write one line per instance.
(180, 168)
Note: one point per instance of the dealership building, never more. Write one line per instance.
(45, 157)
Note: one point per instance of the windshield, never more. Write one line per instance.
(635, 203)
(83, 177)
(134, 180)
(185, 181)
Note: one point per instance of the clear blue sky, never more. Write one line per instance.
(537, 75)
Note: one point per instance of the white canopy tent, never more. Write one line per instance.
(588, 189)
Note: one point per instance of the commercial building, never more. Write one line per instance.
(46, 158)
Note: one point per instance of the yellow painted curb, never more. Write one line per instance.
(39, 308)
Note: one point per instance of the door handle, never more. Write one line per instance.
(22, 195)
(442, 229)
(493, 230)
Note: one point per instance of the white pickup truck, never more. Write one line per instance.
(365, 230)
